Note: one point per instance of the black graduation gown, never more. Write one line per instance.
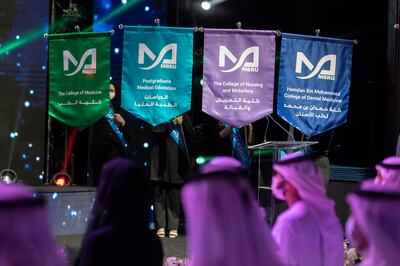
(168, 163)
(106, 145)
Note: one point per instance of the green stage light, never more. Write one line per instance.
(203, 159)
(35, 34)
(26, 38)
(262, 152)
(200, 160)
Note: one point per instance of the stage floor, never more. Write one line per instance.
(68, 189)
(68, 207)
(171, 247)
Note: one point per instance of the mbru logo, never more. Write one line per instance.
(159, 60)
(87, 69)
(250, 66)
(328, 74)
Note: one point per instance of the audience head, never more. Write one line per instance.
(374, 224)
(388, 171)
(297, 178)
(225, 224)
(25, 231)
(119, 233)
(123, 194)
(303, 182)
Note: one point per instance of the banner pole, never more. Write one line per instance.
(245, 137)
(47, 181)
(47, 152)
(157, 22)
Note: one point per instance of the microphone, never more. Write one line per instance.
(266, 130)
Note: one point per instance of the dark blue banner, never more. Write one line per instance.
(314, 82)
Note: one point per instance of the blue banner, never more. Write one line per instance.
(157, 72)
(314, 82)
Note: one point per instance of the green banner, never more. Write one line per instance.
(79, 77)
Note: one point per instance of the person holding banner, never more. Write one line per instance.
(309, 232)
(224, 146)
(109, 137)
(238, 144)
(170, 159)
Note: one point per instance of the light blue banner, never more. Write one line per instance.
(314, 82)
(157, 72)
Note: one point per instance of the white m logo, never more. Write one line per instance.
(323, 74)
(251, 66)
(88, 69)
(166, 63)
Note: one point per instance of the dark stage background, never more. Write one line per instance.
(23, 73)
